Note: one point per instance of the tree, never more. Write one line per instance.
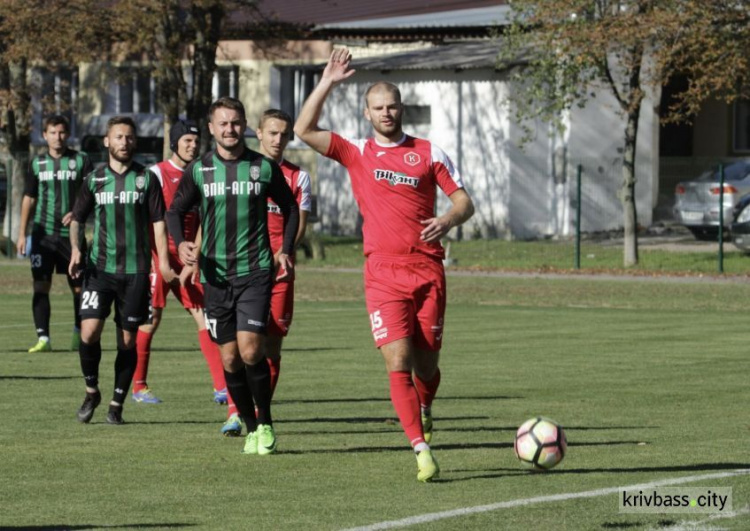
(25, 30)
(176, 34)
(628, 47)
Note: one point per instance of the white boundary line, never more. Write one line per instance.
(432, 517)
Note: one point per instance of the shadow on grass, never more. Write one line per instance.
(358, 420)
(63, 527)
(439, 447)
(24, 377)
(497, 473)
(386, 399)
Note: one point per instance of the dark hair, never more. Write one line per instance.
(121, 120)
(277, 114)
(227, 103)
(56, 119)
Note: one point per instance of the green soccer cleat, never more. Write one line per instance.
(41, 346)
(251, 444)
(75, 341)
(266, 439)
(427, 467)
(427, 427)
(232, 427)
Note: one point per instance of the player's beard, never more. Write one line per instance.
(119, 156)
(389, 130)
(233, 144)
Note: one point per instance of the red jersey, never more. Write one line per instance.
(169, 176)
(299, 181)
(395, 188)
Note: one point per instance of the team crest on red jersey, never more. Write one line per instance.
(412, 159)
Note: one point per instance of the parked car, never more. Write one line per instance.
(741, 224)
(697, 201)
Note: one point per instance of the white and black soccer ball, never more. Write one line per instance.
(540, 443)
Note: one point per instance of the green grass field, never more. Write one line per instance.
(649, 378)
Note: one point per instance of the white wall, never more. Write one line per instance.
(514, 189)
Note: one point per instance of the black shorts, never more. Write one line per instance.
(51, 254)
(130, 293)
(238, 304)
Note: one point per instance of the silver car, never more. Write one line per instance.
(697, 201)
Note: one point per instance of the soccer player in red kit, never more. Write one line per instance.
(274, 132)
(394, 179)
(183, 140)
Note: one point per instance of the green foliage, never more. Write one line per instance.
(644, 376)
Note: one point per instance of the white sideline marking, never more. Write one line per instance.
(432, 517)
(702, 525)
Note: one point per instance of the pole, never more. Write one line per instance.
(721, 218)
(10, 252)
(578, 217)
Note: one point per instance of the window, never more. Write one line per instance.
(417, 114)
(131, 90)
(290, 87)
(55, 91)
(225, 82)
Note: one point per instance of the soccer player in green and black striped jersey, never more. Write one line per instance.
(52, 182)
(231, 186)
(126, 200)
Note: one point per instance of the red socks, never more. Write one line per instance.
(427, 390)
(275, 367)
(406, 403)
(211, 352)
(143, 351)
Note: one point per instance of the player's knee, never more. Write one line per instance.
(42, 286)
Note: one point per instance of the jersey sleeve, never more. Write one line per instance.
(155, 199)
(281, 194)
(343, 150)
(186, 198)
(84, 203)
(31, 184)
(446, 174)
(304, 191)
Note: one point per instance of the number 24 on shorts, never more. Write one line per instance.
(89, 299)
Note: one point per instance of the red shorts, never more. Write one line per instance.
(405, 298)
(190, 296)
(282, 309)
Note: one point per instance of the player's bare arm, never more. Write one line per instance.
(162, 251)
(74, 268)
(67, 218)
(461, 210)
(306, 127)
(27, 206)
(190, 273)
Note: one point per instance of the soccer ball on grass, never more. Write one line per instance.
(540, 443)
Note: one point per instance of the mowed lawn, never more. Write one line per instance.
(649, 377)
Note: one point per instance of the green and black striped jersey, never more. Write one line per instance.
(124, 207)
(232, 197)
(54, 183)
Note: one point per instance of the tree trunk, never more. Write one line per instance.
(627, 192)
(171, 86)
(207, 24)
(17, 131)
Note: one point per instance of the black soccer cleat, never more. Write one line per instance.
(114, 415)
(90, 403)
